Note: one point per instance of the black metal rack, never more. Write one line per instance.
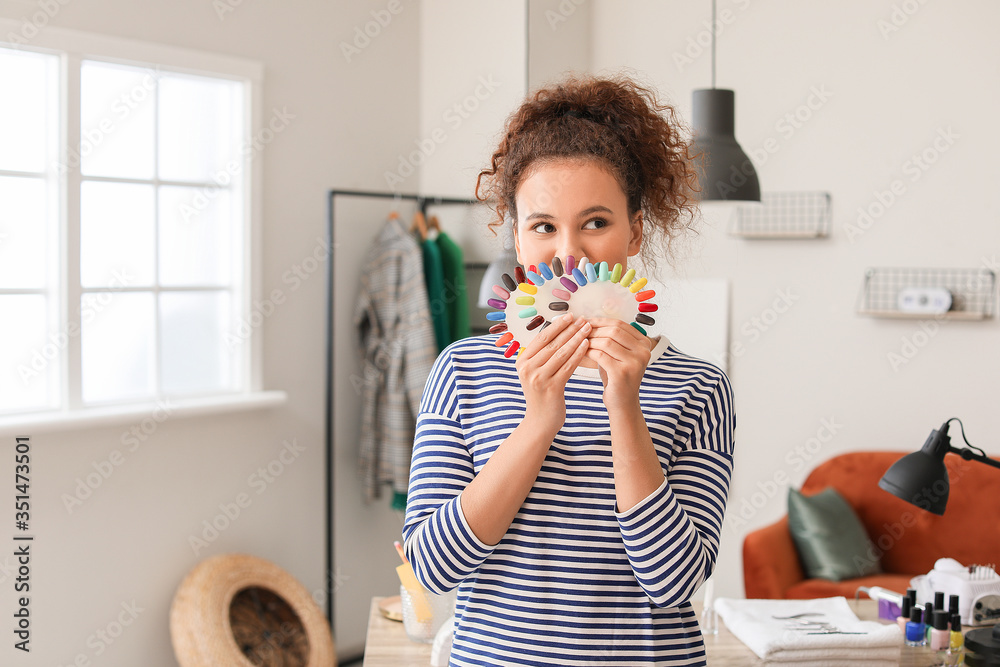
(423, 202)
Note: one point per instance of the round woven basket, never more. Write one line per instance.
(242, 611)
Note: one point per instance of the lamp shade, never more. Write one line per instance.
(725, 172)
(921, 478)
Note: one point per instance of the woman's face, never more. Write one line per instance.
(577, 208)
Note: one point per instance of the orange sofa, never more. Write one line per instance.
(906, 538)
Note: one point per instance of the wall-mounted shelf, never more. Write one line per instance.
(784, 215)
(972, 293)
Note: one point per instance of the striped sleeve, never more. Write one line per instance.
(672, 536)
(437, 538)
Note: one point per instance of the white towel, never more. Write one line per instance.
(752, 622)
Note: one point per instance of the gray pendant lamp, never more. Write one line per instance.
(725, 173)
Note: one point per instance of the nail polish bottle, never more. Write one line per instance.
(904, 614)
(956, 643)
(928, 622)
(953, 605)
(912, 594)
(938, 600)
(940, 634)
(915, 628)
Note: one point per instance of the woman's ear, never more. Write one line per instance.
(635, 229)
(517, 242)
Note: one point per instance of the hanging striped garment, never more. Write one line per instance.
(573, 581)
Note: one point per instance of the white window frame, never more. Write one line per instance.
(73, 47)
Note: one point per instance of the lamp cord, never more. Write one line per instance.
(961, 426)
(713, 43)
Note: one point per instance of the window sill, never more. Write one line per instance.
(44, 422)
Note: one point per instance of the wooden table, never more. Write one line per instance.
(388, 646)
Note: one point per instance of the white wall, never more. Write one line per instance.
(887, 97)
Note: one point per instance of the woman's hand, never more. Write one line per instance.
(621, 353)
(545, 366)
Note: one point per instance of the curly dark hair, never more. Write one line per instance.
(643, 143)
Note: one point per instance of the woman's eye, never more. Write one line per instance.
(544, 228)
(596, 223)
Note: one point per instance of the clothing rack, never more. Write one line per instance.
(423, 202)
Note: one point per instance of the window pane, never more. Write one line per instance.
(196, 236)
(29, 358)
(118, 346)
(116, 120)
(23, 257)
(116, 234)
(27, 90)
(195, 357)
(200, 123)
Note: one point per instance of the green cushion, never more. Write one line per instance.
(831, 541)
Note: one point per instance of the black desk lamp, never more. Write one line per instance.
(920, 478)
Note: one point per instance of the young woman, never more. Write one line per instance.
(575, 497)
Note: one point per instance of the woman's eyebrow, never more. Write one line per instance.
(582, 214)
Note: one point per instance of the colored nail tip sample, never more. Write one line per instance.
(579, 277)
(568, 284)
(570, 263)
(546, 271)
(638, 328)
(627, 278)
(562, 294)
(496, 316)
(535, 322)
(637, 285)
(519, 274)
(511, 349)
(616, 273)
(536, 278)
(602, 271)
(532, 268)
(527, 312)
(644, 319)
(525, 301)
(528, 288)
(558, 305)
(504, 339)
(591, 273)
(498, 328)
(648, 307)
(557, 267)
(545, 324)
(645, 295)
(496, 303)
(501, 292)
(509, 282)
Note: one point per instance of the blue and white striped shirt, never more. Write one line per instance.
(573, 581)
